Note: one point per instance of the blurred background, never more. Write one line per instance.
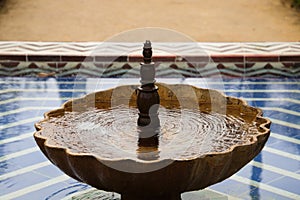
(98, 20)
(38, 77)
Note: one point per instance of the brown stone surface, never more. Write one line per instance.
(164, 178)
(202, 20)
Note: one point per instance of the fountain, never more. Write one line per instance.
(155, 141)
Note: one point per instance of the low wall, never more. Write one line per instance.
(90, 59)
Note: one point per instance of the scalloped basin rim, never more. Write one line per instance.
(68, 151)
(263, 125)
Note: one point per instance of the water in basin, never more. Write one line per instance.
(113, 133)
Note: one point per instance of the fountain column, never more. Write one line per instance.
(148, 104)
(147, 98)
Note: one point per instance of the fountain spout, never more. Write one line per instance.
(147, 97)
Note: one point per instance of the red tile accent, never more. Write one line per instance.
(192, 65)
(166, 58)
(52, 65)
(111, 58)
(44, 58)
(288, 65)
(61, 65)
(289, 58)
(249, 65)
(221, 66)
(126, 66)
(78, 66)
(244, 65)
(135, 58)
(228, 58)
(33, 66)
(70, 58)
(268, 66)
(261, 58)
(12, 57)
(173, 66)
(9, 64)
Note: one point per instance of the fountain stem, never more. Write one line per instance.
(147, 98)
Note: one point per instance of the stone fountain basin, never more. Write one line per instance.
(176, 176)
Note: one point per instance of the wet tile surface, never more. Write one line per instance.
(25, 173)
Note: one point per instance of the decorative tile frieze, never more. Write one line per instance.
(172, 59)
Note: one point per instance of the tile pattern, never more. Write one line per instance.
(178, 59)
(273, 174)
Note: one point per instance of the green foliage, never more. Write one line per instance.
(296, 3)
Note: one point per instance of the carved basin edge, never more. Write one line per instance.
(264, 126)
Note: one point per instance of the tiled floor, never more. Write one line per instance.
(25, 173)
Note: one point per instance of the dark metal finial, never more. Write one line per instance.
(147, 52)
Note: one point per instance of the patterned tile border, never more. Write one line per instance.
(173, 59)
